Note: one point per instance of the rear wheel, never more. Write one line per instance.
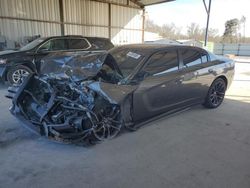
(16, 74)
(215, 94)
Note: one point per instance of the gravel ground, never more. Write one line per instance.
(197, 148)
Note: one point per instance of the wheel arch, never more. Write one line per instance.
(223, 77)
(208, 103)
(28, 64)
(127, 109)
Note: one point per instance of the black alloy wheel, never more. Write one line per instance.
(216, 93)
(109, 124)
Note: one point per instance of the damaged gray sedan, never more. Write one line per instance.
(90, 98)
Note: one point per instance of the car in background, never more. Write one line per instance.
(91, 98)
(14, 65)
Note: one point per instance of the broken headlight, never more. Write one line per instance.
(3, 61)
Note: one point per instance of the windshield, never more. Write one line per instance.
(78, 66)
(32, 44)
(127, 60)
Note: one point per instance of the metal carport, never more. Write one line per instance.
(120, 20)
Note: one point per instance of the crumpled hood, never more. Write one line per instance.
(6, 52)
(77, 66)
(11, 54)
(14, 54)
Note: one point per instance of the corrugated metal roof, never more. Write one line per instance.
(134, 3)
(126, 18)
(30, 9)
(149, 2)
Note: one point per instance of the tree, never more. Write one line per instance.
(170, 31)
(194, 31)
(231, 30)
(213, 35)
(243, 22)
(151, 26)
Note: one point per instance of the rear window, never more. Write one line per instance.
(101, 44)
(78, 44)
(162, 62)
(190, 57)
(204, 58)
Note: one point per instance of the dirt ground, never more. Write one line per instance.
(197, 148)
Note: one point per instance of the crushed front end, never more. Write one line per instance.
(64, 110)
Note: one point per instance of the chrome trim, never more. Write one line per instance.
(67, 49)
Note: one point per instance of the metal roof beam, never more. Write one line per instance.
(137, 3)
(119, 4)
(208, 9)
(160, 2)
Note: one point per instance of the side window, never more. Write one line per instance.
(78, 44)
(100, 44)
(204, 58)
(45, 46)
(58, 44)
(190, 57)
(162, 62)
(54, 45)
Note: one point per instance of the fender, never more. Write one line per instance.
(28, 63)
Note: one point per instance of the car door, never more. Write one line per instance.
(195, 80)
(51, 46)
(157, 92)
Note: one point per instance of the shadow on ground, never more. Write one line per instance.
(197, 148)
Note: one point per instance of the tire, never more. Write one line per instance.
(16, 74)
(216, 93)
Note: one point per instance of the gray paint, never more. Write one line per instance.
(155, 95)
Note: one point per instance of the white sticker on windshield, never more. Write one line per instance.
(133, 55)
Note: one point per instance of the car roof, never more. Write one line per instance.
(78, 36)
(152, 47)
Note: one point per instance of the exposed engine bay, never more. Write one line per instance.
(68, 104)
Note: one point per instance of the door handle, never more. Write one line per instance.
(211, 71)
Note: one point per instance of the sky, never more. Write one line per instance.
(184, 12)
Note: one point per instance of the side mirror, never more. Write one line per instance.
(43, 50)
(141, 75)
